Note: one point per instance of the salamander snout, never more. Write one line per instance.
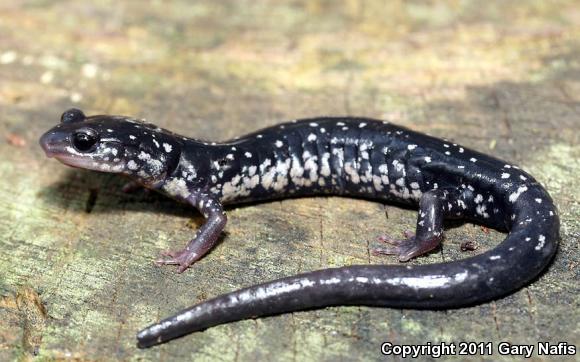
(46, 141)
(53, 140)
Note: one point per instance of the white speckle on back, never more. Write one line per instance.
(362, 125)
(279, 143)
(505, 175)
(248, 155)
(427, 159)
(143, 156)
(411, 147)
(542, 242)
(167, 147)
(514, 196)
(399, 166)
(325, 166)
(311, 137)
(473, 159)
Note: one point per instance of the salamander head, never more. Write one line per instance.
(113, 144)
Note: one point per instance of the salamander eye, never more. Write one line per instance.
(84, 141)
(72, 115)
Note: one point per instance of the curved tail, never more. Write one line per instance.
(528, 249)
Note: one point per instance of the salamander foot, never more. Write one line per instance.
(184, 258)
(408, 248)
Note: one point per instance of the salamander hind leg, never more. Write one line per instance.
(434, 206)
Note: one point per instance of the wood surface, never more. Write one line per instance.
(77, 278)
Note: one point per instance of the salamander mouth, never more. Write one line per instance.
(73, 161)
(52, 150)
(88, 163)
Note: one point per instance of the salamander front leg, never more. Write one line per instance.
(433, 208)
(206, 236)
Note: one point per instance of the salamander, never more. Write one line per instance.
(345, 156)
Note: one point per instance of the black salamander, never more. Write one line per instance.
(346, 156)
